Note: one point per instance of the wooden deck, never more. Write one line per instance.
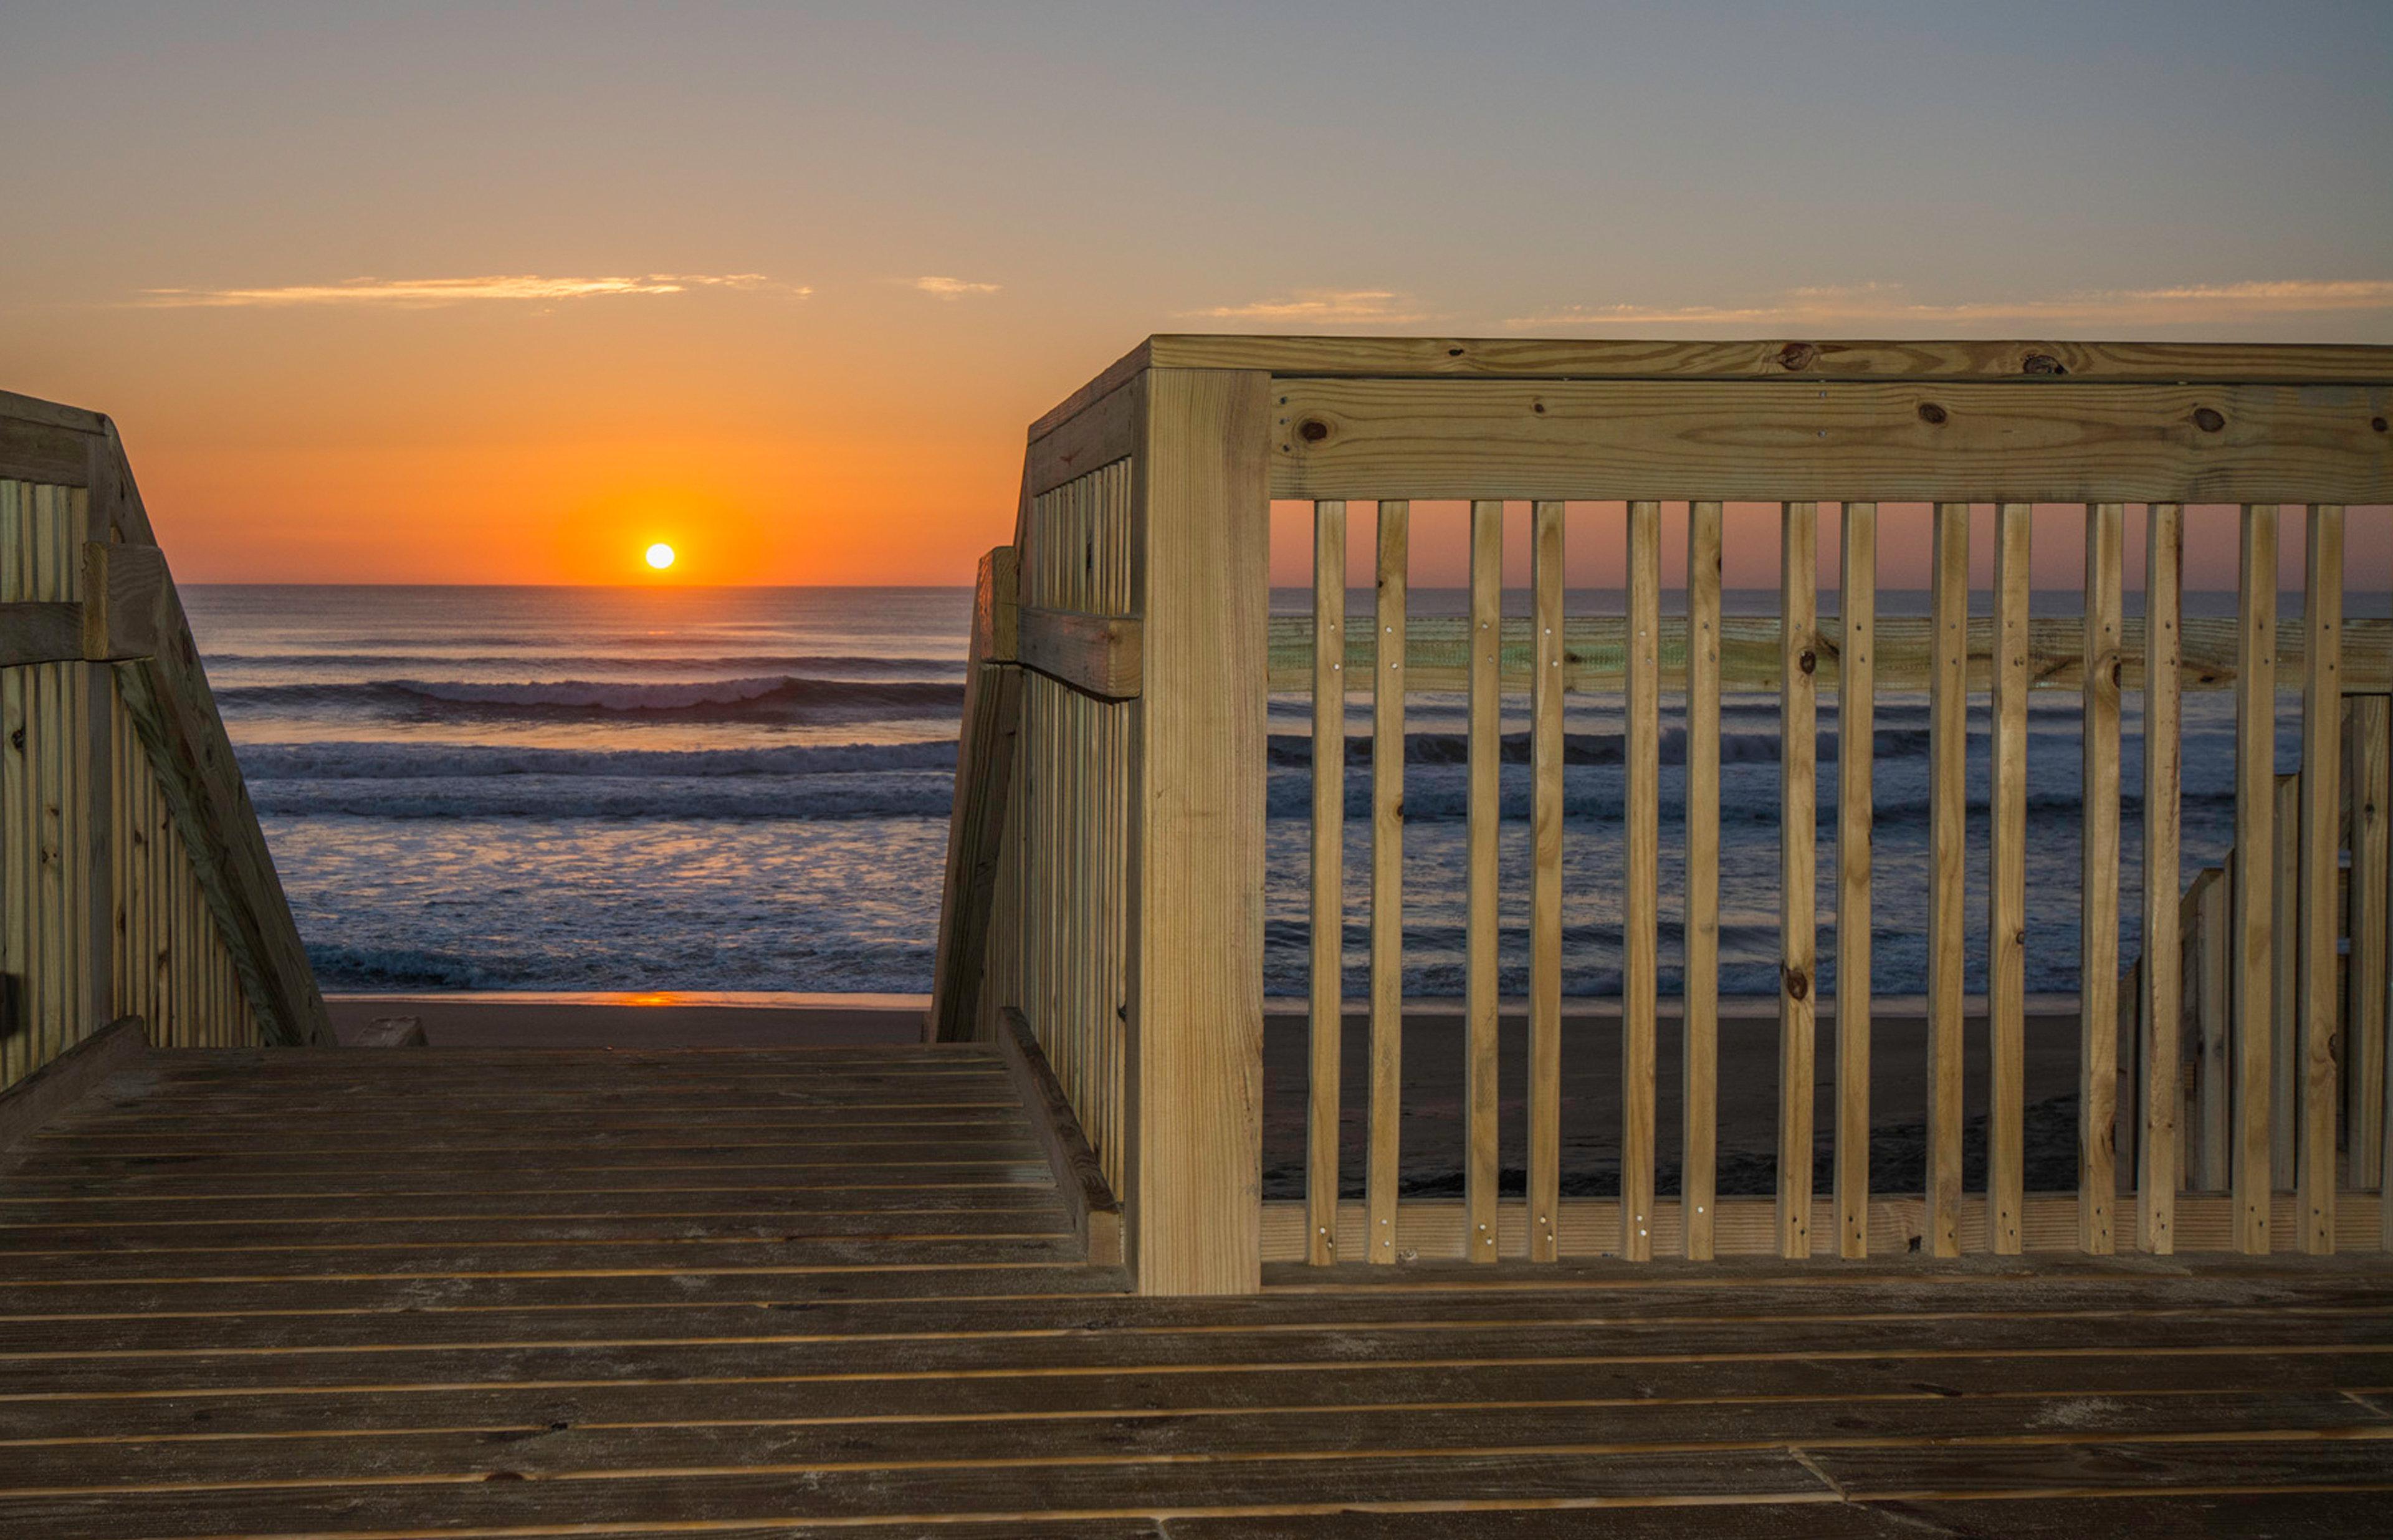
(777, 1294)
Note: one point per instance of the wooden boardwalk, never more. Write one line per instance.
(776, 1294)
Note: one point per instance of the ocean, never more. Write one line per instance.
(747, 789)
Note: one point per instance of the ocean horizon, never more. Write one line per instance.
(557, 787)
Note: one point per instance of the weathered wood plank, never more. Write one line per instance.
(219, 1466)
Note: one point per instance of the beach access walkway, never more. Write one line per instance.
(456, 1292)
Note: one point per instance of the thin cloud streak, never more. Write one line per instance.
(1332, 307)
(952, 288)
(518, 287)
(1872, 304)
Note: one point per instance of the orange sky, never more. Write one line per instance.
(474, 295)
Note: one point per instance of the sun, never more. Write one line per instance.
(661, 556)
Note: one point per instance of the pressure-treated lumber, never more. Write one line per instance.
(1327, 1015)
(42, 1096)
(1911, 441)
(1856, 734)
(2007, 883)
(2253, 953)
(1947, 792)
(2317, 929)
(1699, 1029)
(2098, 1050)
(1545, 880)
(1096, 655)
(2159, 1169)
(1595, 652)
(984, 797)
(1798, 918)
(1196, 1016)
(2368, 743)
(1641, 879)
(1480, 1106)
(1088, 1199)
(1387, 881)
(2038, 365)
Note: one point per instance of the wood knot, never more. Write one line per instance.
(2208, 419)
(1797, 355)
(1538, 407)
(1797, 983)
(1807, 661)
(1313, 430)
(1931, 414)
(2042, 364)
(2377, 422)
(1454, 352)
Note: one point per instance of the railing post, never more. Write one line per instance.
(1199, 575)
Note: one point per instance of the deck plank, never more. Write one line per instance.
(794, 1293)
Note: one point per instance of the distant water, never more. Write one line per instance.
(747, 788)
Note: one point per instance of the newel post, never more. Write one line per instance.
(1200, 582)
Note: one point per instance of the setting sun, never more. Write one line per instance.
(661, 556)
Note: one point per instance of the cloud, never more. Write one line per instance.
(952, 288)
(1324, 306)
(1876, 303)
(456, 291)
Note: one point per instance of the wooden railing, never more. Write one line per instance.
(1133, 946)
(134, 881)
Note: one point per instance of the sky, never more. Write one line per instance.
(503, 293)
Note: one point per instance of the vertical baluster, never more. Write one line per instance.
(2007, 885)
(1948, 684)
(2285, 973)
(1479, 1169)
(1329, 877)
(2314, 1164)
(1386, 884)
(1700, 1028)
(1856, 730)
(1546, 659)
(1641, 880)
(2371, 868)
(2256, 791)
(1798, 900)
(2156, 1181)
(2098, 985)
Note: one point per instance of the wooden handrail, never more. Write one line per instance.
(1163, 467)
(161, 900)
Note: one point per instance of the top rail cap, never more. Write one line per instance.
(1778, 358)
